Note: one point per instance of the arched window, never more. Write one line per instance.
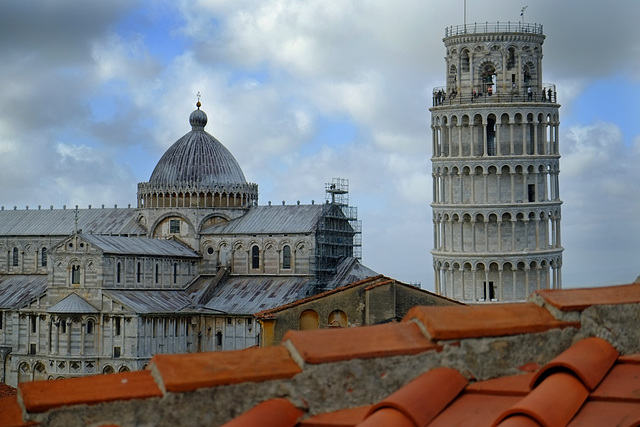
(108, 370)
(219, 338)
(43, 253)
(118, 268)
(286, 257)
(255, 257)
(338, 319)
(175, 272)
(90, 325)
(138, 273)
(75, 274)
(308, 320)
(15, 257)
(157, 272)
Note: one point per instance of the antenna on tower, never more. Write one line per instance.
(465, 13)
(522, 13)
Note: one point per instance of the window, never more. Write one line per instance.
(43, 254)
(308, 320)
(492, 293)
(229, 321)
(286, 257)
(219, 339)
(175, 272)
(255, 257)
(116, 352)
(531, 189)
(15, 257)
(32, 349)
(174, 226)
(34, 323)
(1, 318)
(118, 273)
(63, 326)
(138, 273)
(116, 325)
(75, 274)
(157, 272)
(90, 325)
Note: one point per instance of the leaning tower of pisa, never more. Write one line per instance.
(496, 202)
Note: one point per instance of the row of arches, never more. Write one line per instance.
(493, 233)
(270, 256)
(497, 280)
(495, 134)
(37, 371)
(194, 196)
(309, 320)
(496, 184)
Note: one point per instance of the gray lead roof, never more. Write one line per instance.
(139, 246)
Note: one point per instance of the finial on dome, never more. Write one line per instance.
(198, 104)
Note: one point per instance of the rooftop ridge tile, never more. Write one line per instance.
(579, 299)
(11, 413)
(387, 417)
(589, 360)
(457, 322)
(363, 342)
(40, 396)
(343, 418)
(442, 385)
(553, 403)
(270, 413)
(187, 372)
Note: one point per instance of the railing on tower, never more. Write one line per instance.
(492, 27)
(442, 97)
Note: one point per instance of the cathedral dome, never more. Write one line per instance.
(197, 157)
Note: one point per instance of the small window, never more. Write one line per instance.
(116, 352)
(34, 323)
(32, 349)
(491, 290)
(174, 226)
(118, 268)
(43, 254)
(1, 318)
(175, 272)
(90, 327)
(138, 273)
(75, 274)
(116, 325)
(210, 250)
(15, 257)
(157, 272)
(531, 192)
(229, 321)
(219, 339)
(63, 326)
(286, 257)
(255, 257)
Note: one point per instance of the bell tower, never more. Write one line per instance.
(495, 165)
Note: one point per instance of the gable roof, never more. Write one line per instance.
(73, 303)
(138, 246)
(551, 361)
(62, 222)
(146, 301)
(276, 219)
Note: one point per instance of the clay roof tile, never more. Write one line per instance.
(516, 385)
(270, 413)
(579, 299)
(589, 360)
(186, 372)
(40, 396)
(441, 385)
(343, 418)
(11, 413)
(554, 402)
(332, 345)
(457, 322)
(387, 417)
(621, 383)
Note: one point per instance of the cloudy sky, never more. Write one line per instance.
(94, 92)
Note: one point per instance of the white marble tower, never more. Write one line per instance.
(496, 202)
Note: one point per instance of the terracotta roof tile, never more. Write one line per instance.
(343, 418)
(473, 409)
(553, 402)
(579, 299)
(630, 358)
(40, 396)
(270, 413)
(185, 372)
(514, 385)
(387, 417)
(442, 385)
(332, 345)
(598, 414)
(7, 390)
(622, 382)
(452, 322)
(519, 421)
(589, 360)
(11, 413)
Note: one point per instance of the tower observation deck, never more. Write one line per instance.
(495, 165)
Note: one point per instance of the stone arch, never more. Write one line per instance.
(337, 319)
(309, 320)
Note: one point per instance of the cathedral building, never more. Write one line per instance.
(495, 165)
(101, 290)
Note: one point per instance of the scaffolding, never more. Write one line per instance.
(339, 233)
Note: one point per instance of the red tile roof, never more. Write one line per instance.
(438, 367)
(579, 299)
